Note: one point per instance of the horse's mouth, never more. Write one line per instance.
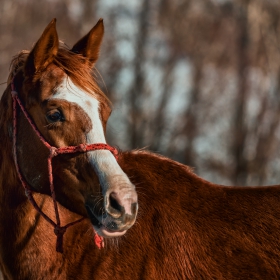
(107, 233)
(107, 230)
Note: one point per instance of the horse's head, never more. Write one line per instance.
(56, 87)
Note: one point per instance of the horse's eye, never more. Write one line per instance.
(55, 116)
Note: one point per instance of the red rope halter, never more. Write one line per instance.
(54, 151)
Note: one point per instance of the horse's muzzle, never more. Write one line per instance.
(117, 215)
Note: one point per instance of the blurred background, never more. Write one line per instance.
(195, 80)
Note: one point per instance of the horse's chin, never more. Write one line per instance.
(101, 229)
(106, 233)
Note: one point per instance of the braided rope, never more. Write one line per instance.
(54, 151)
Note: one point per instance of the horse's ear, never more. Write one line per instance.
(90, 44)
(44, 50)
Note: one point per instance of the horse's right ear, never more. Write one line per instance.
(44, 50)
(89, 45)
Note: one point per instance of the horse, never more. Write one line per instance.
(73, 207)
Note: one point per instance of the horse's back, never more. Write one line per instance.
(193, 229)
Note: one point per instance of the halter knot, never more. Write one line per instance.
(82, 148)
(53, 152)
(27, 192)
(14, 93)
(58, 230)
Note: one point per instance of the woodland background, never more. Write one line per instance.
(195, 80)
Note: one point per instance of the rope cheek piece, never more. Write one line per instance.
(54, 151)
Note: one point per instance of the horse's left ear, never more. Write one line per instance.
(44, 50)
(89, 45)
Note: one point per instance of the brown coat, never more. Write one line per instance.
(186, 227)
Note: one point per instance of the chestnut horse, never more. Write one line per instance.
(58, 173)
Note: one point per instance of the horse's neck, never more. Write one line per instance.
(8, 177)
(25, 235)
(19, 221)
(14, 203)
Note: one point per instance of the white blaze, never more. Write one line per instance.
(103, 161)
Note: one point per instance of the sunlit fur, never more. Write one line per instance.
(187, 228)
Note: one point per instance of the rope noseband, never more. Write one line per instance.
(54, 151)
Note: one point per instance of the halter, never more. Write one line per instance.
(54, 151)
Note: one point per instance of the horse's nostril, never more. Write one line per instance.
(113, 202)
(121, 204)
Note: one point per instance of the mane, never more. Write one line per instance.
(74, 65)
